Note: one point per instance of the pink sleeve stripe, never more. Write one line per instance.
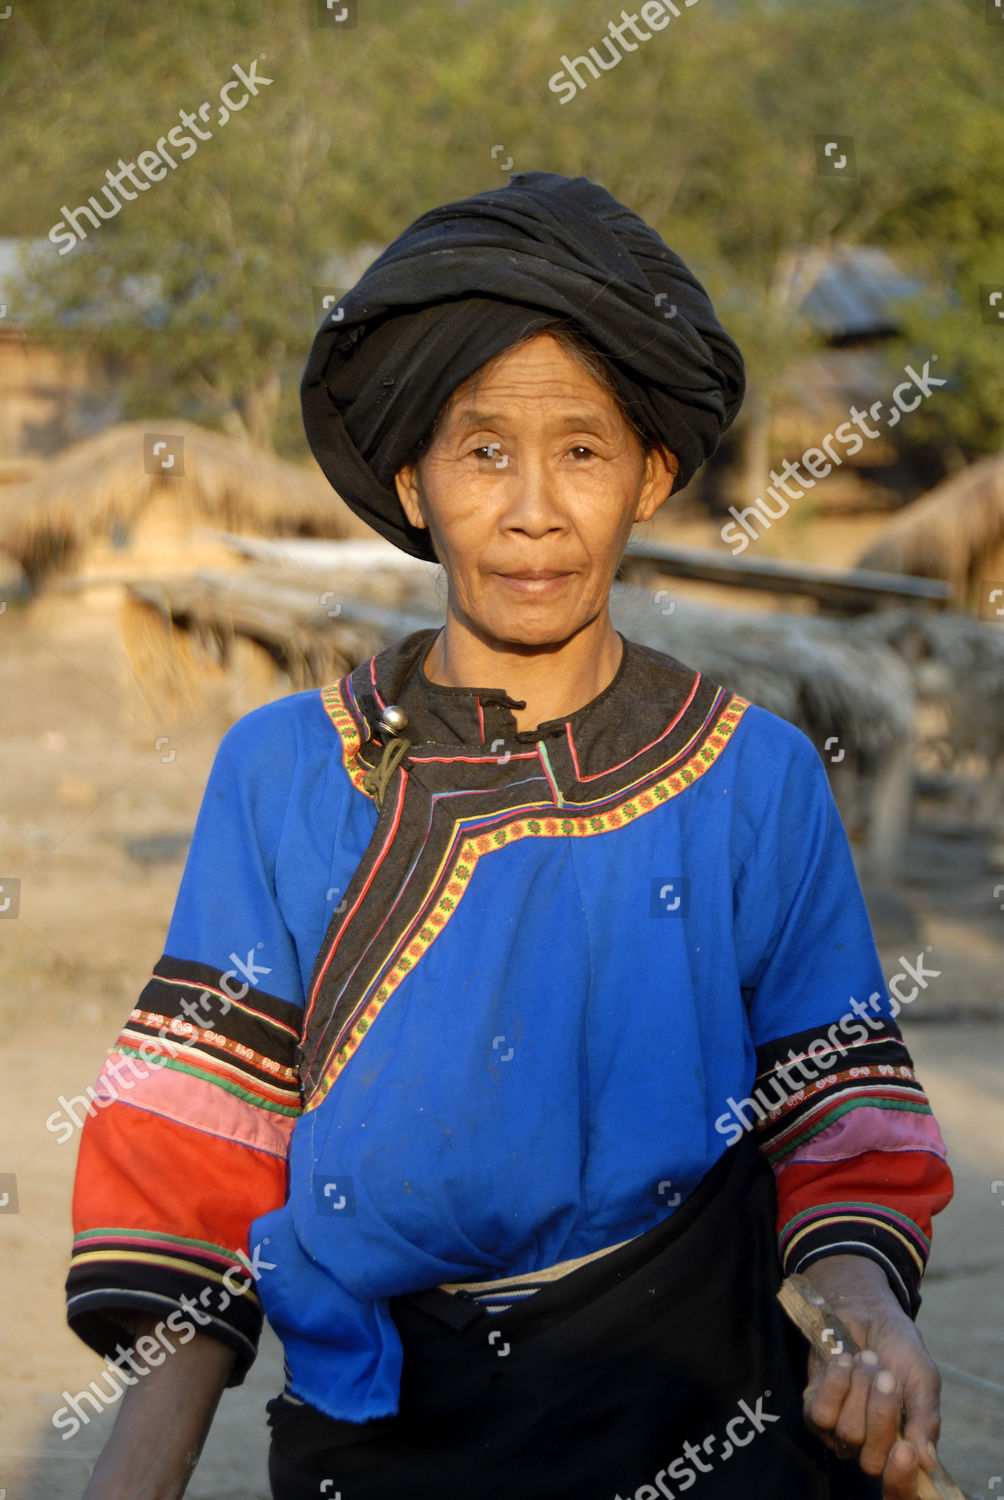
(178, 1096)
(868, 1128)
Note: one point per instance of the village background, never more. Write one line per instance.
(832, 173)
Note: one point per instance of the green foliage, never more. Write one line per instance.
(198, 293)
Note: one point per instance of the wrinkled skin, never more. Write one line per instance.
(534, 469)
(856, 1405)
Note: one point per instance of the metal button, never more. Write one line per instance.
(394, 720)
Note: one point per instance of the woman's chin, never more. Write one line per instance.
(530, 634)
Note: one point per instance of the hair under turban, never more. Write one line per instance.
(468, 280)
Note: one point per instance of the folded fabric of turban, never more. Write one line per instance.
(468, 280)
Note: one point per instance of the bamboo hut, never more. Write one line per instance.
(815, 672)
(954, 532)
(95, 509)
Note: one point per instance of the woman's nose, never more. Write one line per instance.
(531, 501)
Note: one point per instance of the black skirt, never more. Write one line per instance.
(664, 1368)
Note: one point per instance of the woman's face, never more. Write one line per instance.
(530, 490)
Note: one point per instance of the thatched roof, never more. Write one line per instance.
(948, 533)
(314, 634)
(101, 483)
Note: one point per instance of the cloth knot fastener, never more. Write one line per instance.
(393, 722)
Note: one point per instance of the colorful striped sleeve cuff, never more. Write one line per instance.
(185, 1145)
(857, 1154)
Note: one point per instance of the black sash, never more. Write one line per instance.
(664, 1368)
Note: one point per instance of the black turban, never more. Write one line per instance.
(468, 280)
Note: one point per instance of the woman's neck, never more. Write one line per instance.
(553, 680)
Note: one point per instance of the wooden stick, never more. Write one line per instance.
(809, 1311)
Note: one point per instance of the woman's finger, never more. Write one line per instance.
(882, 1419)
(922, 1404)
(899, 1477)
(826, 1393)
(851, 1426)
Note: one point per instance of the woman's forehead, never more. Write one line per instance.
(538, 369)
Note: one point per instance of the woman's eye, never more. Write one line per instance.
(493, 453)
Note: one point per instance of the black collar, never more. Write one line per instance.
(648, 693)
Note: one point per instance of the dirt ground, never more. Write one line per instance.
(96, 807)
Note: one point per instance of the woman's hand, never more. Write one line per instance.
(856, 1404)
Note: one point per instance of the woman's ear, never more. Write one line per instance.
(409, 493)
(661, 469)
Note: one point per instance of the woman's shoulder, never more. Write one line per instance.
(292, 730)
(783, 742)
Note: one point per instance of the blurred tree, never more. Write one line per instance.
(199, 293)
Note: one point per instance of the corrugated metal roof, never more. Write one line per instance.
(856, 292)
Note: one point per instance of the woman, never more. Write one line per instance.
(520, 1020)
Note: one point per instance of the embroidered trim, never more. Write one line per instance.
(233, 1003)
(831, 1112)
(879, 1216)
(211, 1070)
(426, 928)
(874, 1073)
(175, 1027)
(333, 698)
(698, 679)
(545, 761)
